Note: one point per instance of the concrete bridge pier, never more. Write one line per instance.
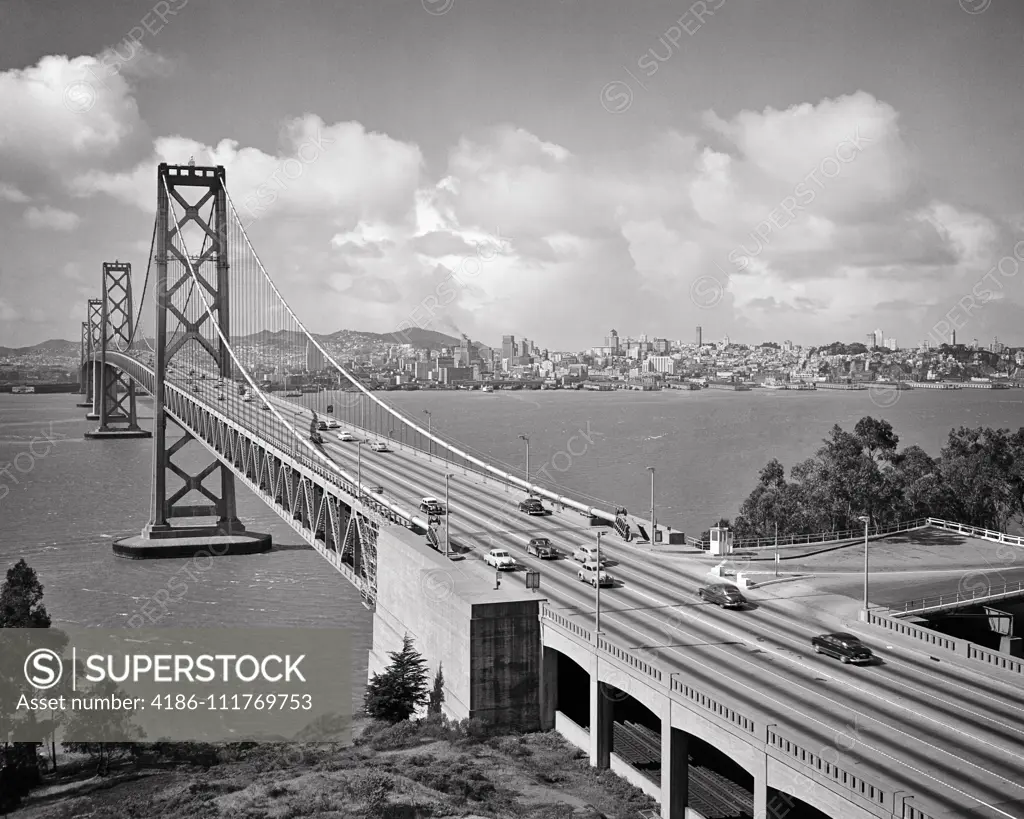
(675, 767)
(487, 640)
(602, 716)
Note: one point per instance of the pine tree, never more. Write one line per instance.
(21, 599)
(436, 694)
(395, 694)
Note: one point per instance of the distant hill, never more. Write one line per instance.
(417, 337)
(55, 346)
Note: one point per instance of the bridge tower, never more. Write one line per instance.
(116, 391)
(227, 536)
(85, 368)
(95, 313)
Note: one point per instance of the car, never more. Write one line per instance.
(376, 489)
(265, 408)
(321, 425)
(432, 506)
(533, 506)
(722, 594)
(500, 559)
(586, 553)
(541, 547)
(846, 647)
(332, 424)
(379, 446)
(589, 573)
(248, 399)
(220, 397)
(346, 436)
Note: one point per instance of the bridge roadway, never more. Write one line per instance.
(938, 731)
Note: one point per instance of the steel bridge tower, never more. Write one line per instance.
(113, 391)
(227, 535)
(95, 322)
(85, 368)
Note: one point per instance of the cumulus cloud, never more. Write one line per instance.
(813, 211)
(340, 171)
(63, 110)
(48, 218)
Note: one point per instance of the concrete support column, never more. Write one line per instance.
(761, 791)
(548, 687)
(601, 716)
(675, 768)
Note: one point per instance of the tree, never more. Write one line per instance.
(396, 694)
(20, 607)
(21, 599)
(436, 694)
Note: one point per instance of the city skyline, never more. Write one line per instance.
(547, 191)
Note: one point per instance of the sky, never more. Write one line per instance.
(767, 169)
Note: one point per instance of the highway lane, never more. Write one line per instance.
(646, 585)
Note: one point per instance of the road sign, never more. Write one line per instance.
(533, 580)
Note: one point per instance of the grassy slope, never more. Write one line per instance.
(441, 769)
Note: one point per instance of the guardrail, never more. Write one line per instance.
(816, 537)
(935, 639)
(956, 599)
(976, 531)
(823, 538)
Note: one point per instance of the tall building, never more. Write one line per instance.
(879, 339)
(508, 348)
(871, 340)
(314, 358)
(890, 344)
(699, 337)
(612, 342)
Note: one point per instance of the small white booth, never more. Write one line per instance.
(721, 541)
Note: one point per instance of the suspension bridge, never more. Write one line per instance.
(651, 683)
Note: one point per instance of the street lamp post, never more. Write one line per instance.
(430, 444)
(597, 591)
(448, 515)
(524, 438)
(866, 520)
(359, 470)
(653, 526)
(390, 433)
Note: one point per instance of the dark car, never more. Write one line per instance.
(541, 547)
(533, 506)
(728, 597)
(846, 647)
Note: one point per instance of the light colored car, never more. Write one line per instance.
(432, 506)
(500, 559)
(379, 446)
(585, 553)
(589, 573)
(248, 399)
(332, 424)
(346, 436)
